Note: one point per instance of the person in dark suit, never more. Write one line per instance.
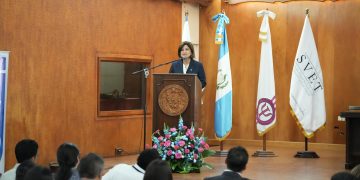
(187, 64)
(236, 161)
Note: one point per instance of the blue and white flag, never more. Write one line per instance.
(186, 30)
(4, 61)
(266, 101)
(307, 98)
(223, 103)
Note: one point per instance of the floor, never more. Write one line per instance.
(284, 166)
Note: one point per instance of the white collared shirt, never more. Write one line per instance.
(185, 68)
(10, 174)
(232, 171)
(125, 171)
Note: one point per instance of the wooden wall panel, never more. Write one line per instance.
(346, 56)
(52, 72)
(337, 38)
(208, 55)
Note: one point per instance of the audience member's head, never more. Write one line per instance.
(38, 173)
(344, 175)
(90, 166)
(23, 168)
(26, 149)
(68, 158)
(237, 159)
(356, 171)
(145, 157)
(158, 169)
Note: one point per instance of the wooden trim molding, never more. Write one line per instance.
(268, 1)
(113, 57)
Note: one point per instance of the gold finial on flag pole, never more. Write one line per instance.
(307, 12)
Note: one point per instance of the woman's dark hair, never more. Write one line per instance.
(158, 169)
(38, 173)
(146, 156)
(23, 168)
(67, 157)
(189, 44)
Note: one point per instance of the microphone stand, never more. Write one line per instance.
(146, 74)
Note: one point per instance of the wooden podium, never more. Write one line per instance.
(175, 95)
(352, 138)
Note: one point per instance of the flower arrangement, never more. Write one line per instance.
(184, 150)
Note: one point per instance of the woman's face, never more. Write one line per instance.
(185, 52)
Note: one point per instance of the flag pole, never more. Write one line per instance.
(307, 11)
(221, 146)
(223, 103)
(306, 153)
(266, 100)
(221, 153)
(264, 142)
(264, 152)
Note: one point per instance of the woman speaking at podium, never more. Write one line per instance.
(187, 64)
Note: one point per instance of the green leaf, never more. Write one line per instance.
(208, 165)
(207, 153)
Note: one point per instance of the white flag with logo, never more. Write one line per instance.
(307, 87)
(266, 101)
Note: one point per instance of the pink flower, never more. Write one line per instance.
(160, 138)
(200, 129)
(155, 146)
(187, 151)
(191, 145)
(167, 136)
(184, 127)
(157, 131)
(181, 143)
(169, 153)
(167, 143)
(192, 137)
(201, 150)
(176, 147)
(189, 132)
(196, 156)
(202, 142)
(206, 146)
(172, 129)
(178, 155)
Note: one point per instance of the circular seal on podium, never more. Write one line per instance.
(173, 100)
